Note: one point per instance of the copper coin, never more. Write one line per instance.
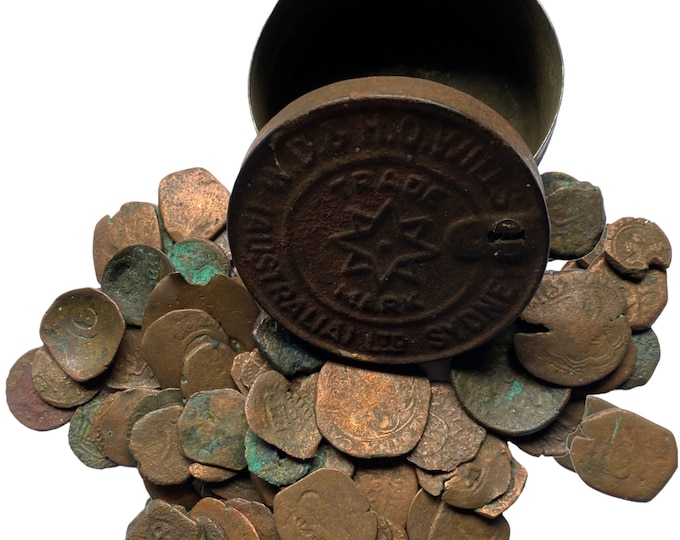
(129, 369)
(624, 455)
(210, 473)
(113, 422)
(329, 457)
(54, 385)
(325, 504)
(232, 522)
(369, 413)
(160, 519)
(390, 220)
(389, 489)
(577, 217)
(207, 214)
(247, 366)
(183, 494)
(168, 339)
(645, 298)
(207, 366)
(634, 245)
(451, 437)
(212, 428)
(499, 505)
(500, 394)
(479, 481)
(155, 445)
(616, 378)
(450, 522)
(130, 276)
(82, 330)
(24, 402)
(134, 223)
(584, 335)
(198, 260)
(223, 298)
(421, 515)
(261, 517)
(283, 413)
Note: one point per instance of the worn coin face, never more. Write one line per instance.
(389, 220)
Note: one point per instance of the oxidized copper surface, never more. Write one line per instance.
(424, 205)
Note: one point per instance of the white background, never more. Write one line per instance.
(100, 100)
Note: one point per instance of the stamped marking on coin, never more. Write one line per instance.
(380, 227)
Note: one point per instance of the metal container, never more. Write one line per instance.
(503, 52)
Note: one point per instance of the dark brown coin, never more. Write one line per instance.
(183, 494)
(155, 445)
(324, 504)
(439, 230)
(25, 403)
(283, 414)
(134, 223)
(242, 485)
(369, 413)
(451, 437)
(130, 276)
(212, 428)
(584, 333)
(389, 490)
(478, 482)
(207, 213)
(500, 394)
(258, 514)
(82, 330)
(449, 522)
(54, 385)
(271, 465)
(198, 260)
(647, 356)
(234, 524)
(624, 455)
(577, 217)
(634, 245)
(167, 340)
(223, 298)
(614, 379)
(421, 515)
(329, 457)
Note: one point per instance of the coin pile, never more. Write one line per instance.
(239, 428)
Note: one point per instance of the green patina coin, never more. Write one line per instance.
(82, 440)
(212, 428)
(198, 260)
(500, 394)
(648, 354)
(268, 463)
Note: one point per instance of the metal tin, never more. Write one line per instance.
(503, 52)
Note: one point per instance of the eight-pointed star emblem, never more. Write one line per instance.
(385, 245)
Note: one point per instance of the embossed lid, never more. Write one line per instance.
(390, 220)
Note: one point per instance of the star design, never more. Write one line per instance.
(385, 245)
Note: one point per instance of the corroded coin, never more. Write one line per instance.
(499, 505)
(82, 330)
(202, 219)
(451, 437)
(450, 522)
(624, 455)
(212, 428)
(81, 436)
(647, 356)
(207, 366)
(369, 413)
(389, 219)
(324, 504)
(283, 414)
(271, 465)
(634, 245)
(24, 402)
(577, 217)
(160, 519)
(500, 394)
(198, 260)
(130, 276)
(129, 369)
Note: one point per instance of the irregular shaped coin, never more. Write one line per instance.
(624, 455)
(82, 330)
(634, 245)
(324, 504)
(369, 413)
